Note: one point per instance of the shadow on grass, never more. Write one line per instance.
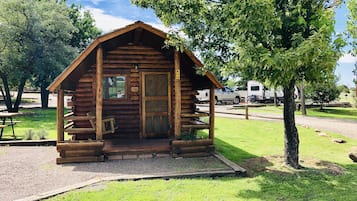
(310, 184)
(344, 112)
(231, 152)
(327, 181)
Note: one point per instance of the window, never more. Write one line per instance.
(114, 87)
(254, 88)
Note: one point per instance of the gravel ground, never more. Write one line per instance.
(26, 171)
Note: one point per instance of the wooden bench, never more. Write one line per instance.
(108, 124)
(9, 123)
(196, 124)
(200, 114)
(80, 130)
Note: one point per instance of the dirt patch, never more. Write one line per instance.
(275, 164)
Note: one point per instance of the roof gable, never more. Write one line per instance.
(76, 68)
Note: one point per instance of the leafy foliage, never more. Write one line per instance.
(275, 42)
(85, 30)
(324, 92)
(352, 30)
(37, 43)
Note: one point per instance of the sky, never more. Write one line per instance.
(113, 14)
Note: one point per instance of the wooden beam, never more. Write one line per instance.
(137, 35)
(211, 113)
(99, 91)
(60, 115)
(177, 113)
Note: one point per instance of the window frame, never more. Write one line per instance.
(126, 94)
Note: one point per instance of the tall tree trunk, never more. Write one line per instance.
(302, 99)
(291, 136)
(44, 95)
(19, 95)
(275, 99)
(6, 93)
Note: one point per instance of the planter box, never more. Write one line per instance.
(192, 148)
(198, 142)
(80, 151)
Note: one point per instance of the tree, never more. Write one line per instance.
(343, 89)
(85, 30)
(81, 31)
(17, 25)
(36, 44)
(352, 32)
(55, 49)
(278, 42)
(323, 92)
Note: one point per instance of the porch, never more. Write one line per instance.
(119, 149)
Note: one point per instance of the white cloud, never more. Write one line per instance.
(96, 1)
(347, 59)
(108, 23)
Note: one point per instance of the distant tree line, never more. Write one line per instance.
(38, 39)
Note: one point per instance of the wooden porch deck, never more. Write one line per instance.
(123, 147)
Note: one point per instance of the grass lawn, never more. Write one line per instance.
(330, 112)
(257, 145)
(36, 120)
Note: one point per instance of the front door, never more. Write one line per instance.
(156, 105)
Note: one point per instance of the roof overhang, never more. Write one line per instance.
(77, 67)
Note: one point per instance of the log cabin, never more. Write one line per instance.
(132, 94)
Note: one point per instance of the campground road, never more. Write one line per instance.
(344, 127)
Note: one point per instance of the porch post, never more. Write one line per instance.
(99, 97)
(60, 115)
(211, 113)
(177, 113)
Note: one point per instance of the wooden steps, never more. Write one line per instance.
(119, 149)
(82, 159)
(80, 151)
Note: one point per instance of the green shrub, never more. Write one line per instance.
(42, 134)
(29, 135)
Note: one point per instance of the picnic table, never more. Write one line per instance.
(9, 122)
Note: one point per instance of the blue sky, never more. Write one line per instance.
(114, 14)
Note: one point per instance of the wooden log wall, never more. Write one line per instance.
(122, 61)
(188, 96)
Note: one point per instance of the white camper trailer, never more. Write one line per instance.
(257, 92)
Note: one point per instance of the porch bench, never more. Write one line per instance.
(9, 123)
(196, 124)
(75, 131)
(79, 118)
(198, 114)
